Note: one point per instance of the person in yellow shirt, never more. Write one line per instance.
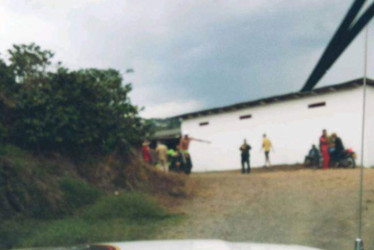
(266, 146)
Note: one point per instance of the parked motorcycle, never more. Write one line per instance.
(313, 162)
(347, 159)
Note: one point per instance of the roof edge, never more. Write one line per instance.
(284, 97)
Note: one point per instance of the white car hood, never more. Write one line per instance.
(200, 245)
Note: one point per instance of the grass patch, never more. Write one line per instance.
(12, 151)
(131, 206)
(129, 216)
(77, 193)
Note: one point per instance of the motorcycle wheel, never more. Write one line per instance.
(350, 163)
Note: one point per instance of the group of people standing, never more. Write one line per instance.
(331, 148)
(245, 149)
(177, 160)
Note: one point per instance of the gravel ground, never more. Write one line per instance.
(286, 205)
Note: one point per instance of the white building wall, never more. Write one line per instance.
(290, 125)
(369, 129)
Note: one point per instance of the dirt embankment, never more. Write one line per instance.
(287, 205)
(53, 186)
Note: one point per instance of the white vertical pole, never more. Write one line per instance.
(359, 242)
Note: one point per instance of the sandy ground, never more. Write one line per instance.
(290, 206)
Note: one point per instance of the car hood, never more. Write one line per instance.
(195, 245)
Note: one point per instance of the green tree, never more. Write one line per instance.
(29, 62)
(7, 102)
(71, 111)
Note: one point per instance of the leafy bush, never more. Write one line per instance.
(78, 112)
(77, 193)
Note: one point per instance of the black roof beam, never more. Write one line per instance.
(345, 34)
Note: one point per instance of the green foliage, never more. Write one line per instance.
(29, 62)
(109, 219)
(12, 189)
(21, 191)
(32, 187)
(77, 193)
(12, 151)
(132, 206)
(67, 111)
(7, 87)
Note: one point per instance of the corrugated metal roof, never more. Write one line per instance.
(336, 87)
(166, 134)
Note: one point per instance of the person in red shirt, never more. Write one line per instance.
(324, 144)
(146, 152)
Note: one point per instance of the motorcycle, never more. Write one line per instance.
(313, 162)
(347, 159)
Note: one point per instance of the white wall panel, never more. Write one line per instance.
(290, 125)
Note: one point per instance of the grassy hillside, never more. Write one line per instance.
(74, 132)
(128, 216)
(53, 201)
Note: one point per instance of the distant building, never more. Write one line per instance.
(293, 122)
(170, 137)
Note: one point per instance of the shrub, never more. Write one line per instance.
(77, 112)
(133, 206)
(77, 193)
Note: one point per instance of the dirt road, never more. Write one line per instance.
(308, 207)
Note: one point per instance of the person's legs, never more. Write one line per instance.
(243, 164)
(332, 156)
(326, 158)
(189, 163)
(267, 159)
(246, 162)
(163, 165)
(337, 157)
(182, 167)
(184, 155)
(249, 166)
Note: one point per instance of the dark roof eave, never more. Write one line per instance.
(332, 88)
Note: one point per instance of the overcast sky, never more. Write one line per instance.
(189, 55)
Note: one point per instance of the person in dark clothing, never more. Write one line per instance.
(176, 164)
(245, 148)
(188, 163)
(312, 159)
(180, 162)
(338, 149)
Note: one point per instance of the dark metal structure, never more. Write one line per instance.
(348, 30)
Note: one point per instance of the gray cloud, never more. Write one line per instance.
(196, 54)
